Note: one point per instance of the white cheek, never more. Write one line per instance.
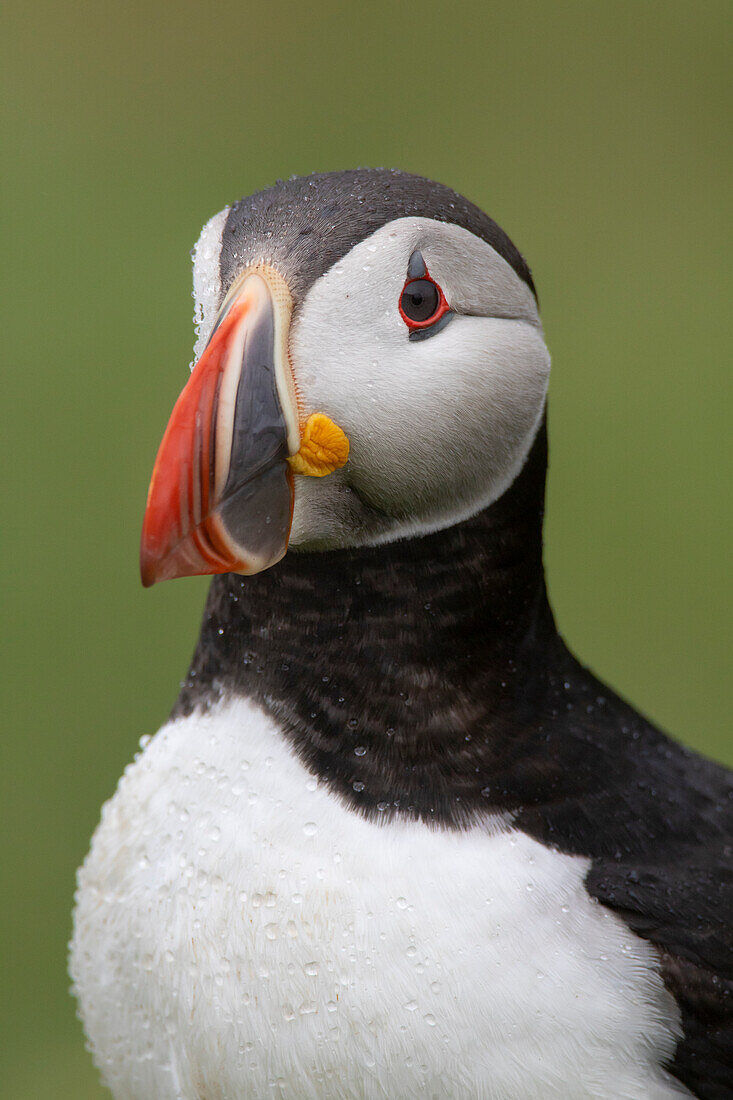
(441, 420)
(478, 392)
(438, 428)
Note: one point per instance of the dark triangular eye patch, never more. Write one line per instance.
(416, 268)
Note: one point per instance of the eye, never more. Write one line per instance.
(422, 304)
(420, 300)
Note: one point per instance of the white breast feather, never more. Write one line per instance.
(240, 934)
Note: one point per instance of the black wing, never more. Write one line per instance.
(684, 906)
(656, 820)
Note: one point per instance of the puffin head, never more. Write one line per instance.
(370, 366)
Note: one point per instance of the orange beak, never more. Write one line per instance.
(221, 494)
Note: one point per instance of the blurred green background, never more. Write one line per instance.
(595, 133)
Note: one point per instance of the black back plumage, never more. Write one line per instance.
(426, 678)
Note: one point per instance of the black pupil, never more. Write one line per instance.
(420, 300)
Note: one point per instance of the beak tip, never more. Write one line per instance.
(148, 570)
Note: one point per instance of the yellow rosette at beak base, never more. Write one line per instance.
(324, 447)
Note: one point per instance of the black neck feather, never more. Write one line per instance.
(396, 670)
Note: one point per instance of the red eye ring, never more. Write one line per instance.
(427, 295)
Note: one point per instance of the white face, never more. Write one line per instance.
(438, 427)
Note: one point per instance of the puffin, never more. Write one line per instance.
(394, 840)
